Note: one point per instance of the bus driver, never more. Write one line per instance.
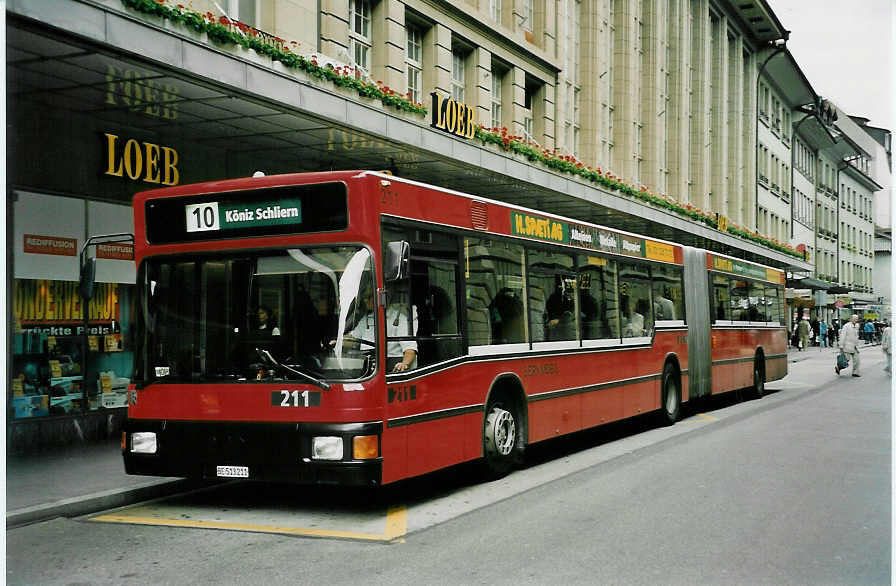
(401, 355)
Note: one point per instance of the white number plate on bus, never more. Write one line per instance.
(202, 217)
(233, 471)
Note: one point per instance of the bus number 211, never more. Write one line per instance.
(295, 398)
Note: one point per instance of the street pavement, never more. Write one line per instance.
(86, 478)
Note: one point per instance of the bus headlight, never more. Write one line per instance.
(144, 442)
(326, 448)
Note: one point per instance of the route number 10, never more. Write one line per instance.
(202, 217)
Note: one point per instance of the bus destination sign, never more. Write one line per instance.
(249, 213)
(213, 215)
(561, 232)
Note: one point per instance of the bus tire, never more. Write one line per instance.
(670, 397)
(758, 378)
(502, 439)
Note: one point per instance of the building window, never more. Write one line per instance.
(497, 119)
(359, 33)
(576, 125)
(494, 10)
(527, 16)
(243, 11)
(458, 62)
(414, 62)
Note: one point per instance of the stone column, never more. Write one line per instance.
(481, 97)
(389, 45)
(334, 28)
(437, 76)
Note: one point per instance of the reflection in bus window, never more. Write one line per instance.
(668, 301)
(756, 310)
(773, 304)
(496, 311)
(634, 300)
(740, 300)
(721, 299)
(598, 304)
(552, 296)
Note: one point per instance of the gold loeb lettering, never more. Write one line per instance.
(141, 94)
(453, 116)
(131, 160)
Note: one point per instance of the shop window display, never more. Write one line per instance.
(59, 369)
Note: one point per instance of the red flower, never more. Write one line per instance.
(223, 20)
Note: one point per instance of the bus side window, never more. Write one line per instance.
(721, 298)
(668, 301)
(740, 302)
(496, 308)
(634, 300)
(430, 292)
(773, 304)
(756, 310)
(598, 301)
(553, 304)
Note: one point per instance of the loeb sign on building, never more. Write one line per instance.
(452, 116)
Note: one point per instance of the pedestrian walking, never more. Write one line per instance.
(823, 334)
(869, 332)
(885, 346)
(804, 329)
(849, 344)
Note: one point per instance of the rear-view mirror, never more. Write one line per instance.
(395, 265)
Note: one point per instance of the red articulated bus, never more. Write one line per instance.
(358, 328)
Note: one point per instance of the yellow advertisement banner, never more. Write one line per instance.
(40, 301)
(657, 251)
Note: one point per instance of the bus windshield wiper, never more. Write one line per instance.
(267, 357)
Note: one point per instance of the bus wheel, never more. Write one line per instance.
(671, 395)
(502, 440)
(758, 379)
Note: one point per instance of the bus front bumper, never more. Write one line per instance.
(277, 452)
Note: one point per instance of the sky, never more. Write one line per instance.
(845, 49)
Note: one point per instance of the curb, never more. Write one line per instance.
(92, 503)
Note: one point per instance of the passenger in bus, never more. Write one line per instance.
(560, 314)
(506, 317)
(267, 325)
(663, 308)
(632, 321)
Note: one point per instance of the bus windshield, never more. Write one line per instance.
(243, 317)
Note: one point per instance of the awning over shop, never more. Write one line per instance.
(810, 283)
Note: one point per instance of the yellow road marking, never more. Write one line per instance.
(703, 416)
(396, 526)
